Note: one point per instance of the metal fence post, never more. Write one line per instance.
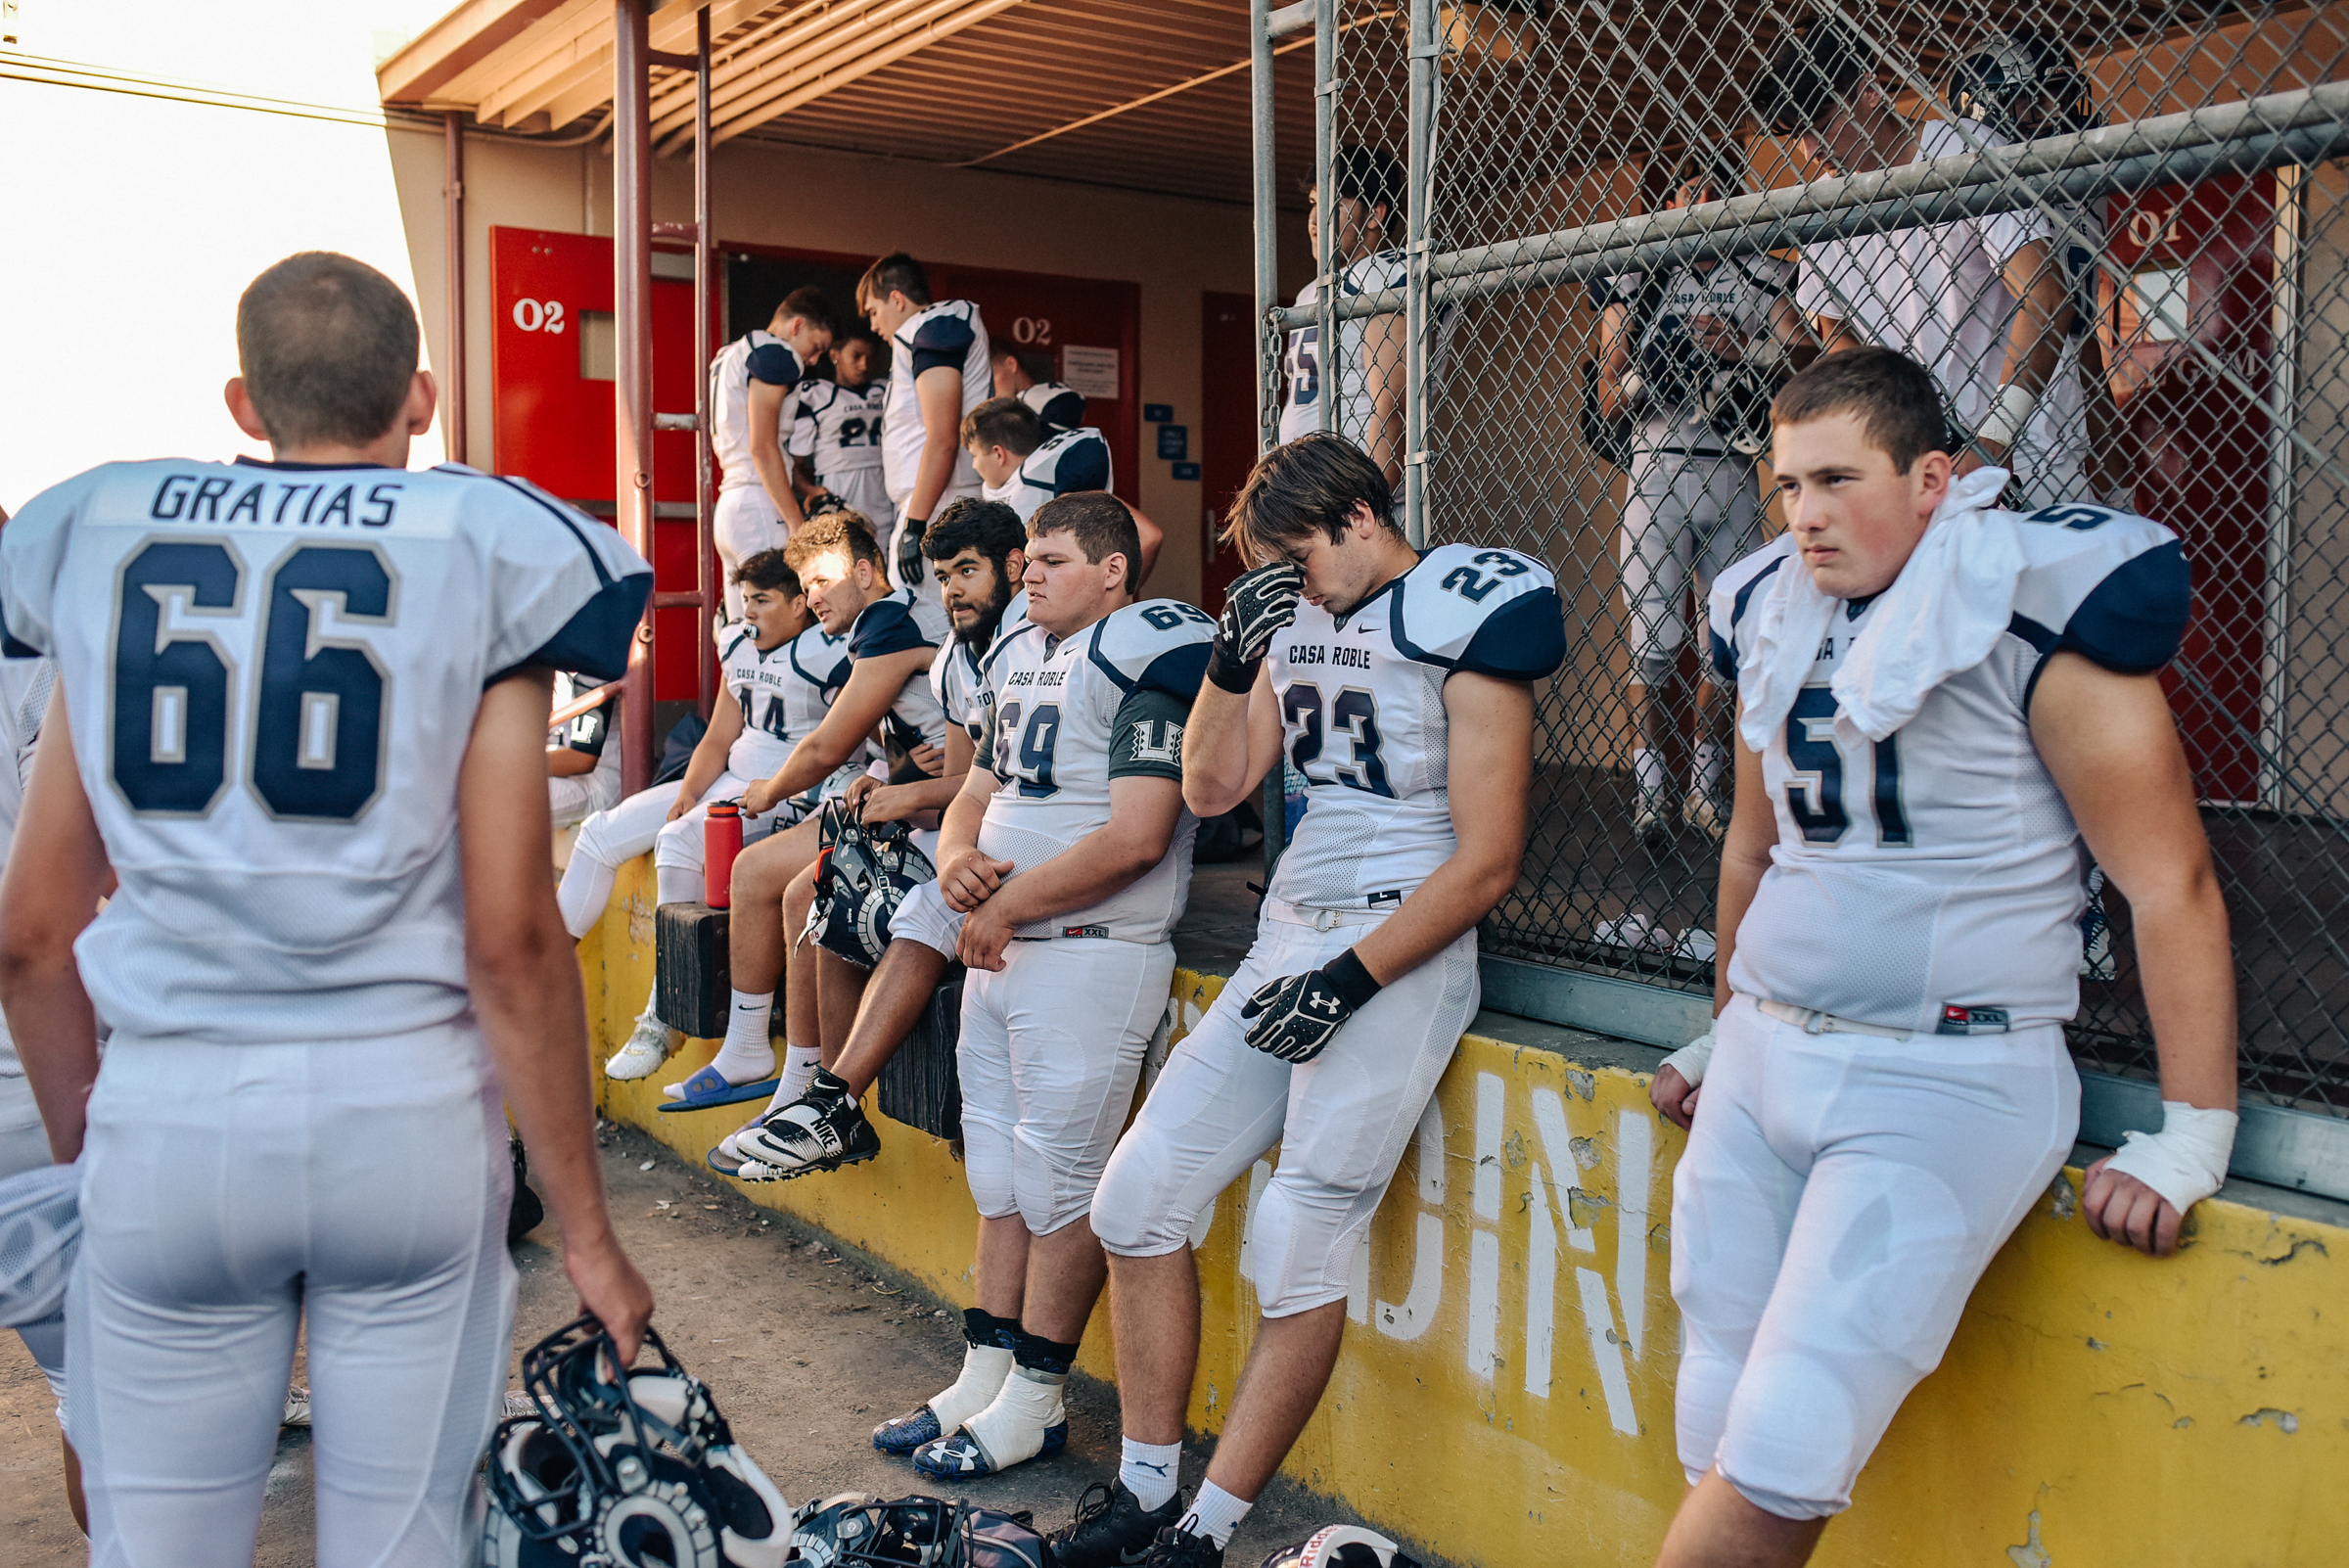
(1426, 49)
(1325, 224)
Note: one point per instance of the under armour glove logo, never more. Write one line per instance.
(1294, 1018)
(1258, 605)
(910, 551)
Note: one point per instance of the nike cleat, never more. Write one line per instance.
(647, 1048)
(806, 1136)
(1112, 1529)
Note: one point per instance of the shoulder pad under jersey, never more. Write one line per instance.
(1160, 643)
(1489, 611)
(2108, 585)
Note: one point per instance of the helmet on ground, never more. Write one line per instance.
(624, 1469)
(2023, 84)
(854, 1530)
(1340, 1546)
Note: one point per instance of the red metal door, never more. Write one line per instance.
(2201, 263)
(1228, 435)
(551, 353)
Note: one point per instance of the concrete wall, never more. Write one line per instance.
(771, 195)
(1504, 1392)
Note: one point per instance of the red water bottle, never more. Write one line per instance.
(721, 841)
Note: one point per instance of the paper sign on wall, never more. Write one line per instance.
(1091, 372)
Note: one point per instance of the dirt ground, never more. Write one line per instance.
(804, 1349)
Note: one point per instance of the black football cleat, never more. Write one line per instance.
(1112, 1529)
(1177, 1548)
(816, 1133)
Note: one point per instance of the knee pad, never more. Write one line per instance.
(1303, 1244)
(679, 844)
(1128, 1219)
(986, 1163)
(594, 839)
(1049, 1197)
(1658, 655)
(1792, 1443)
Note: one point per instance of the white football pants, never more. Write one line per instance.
(743, 522)
(1341, 1119)
(610, 839)
(1840, 1196)
(231, 1192)
(1685, 516)
(24, 1146)
(1051, 1047)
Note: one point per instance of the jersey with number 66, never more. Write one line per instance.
(1361, 713)
(271, 676)
(1071, 714)
(1932, 880)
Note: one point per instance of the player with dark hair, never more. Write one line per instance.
(780, 671)
(890, 636)
(751, 382)
(1402, 684)
(1999, 307)
(836, 428)
(937, 373)
(1939, 702)
(1371, 363)
(312, 755)
(1668, 346)
(975, 551)
(1023, 465)
(1027, 374)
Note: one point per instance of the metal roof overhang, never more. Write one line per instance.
(1148, 95)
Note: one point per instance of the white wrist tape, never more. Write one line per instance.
(2008, 416)
(1765, 352)
(1690, 1059)
(2187, 1160)
(1632, 388)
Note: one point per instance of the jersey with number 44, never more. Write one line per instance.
(271, 674)
(783, 692)
(1071, 714)
(1362, 712)
(1932, 880)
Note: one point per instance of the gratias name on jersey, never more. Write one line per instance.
(187, 498)
(1319, 653)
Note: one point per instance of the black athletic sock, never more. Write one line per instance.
(1041, 1355)
(985, 1330)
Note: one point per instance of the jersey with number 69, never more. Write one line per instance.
(837, 430)
(1932, 880)
(1361, 713)
(1071, 714)
(783, 692)
(271, 676)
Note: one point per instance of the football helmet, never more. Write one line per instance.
(862, 872)
(854, 1530)
(2024, 84)
(617, 1468)
(1341, 1545)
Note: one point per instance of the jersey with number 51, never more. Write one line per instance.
(1931, 881)
(1073, 713)
(1362, 712)
(271, 674)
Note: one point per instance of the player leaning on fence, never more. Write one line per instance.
(1938, 703)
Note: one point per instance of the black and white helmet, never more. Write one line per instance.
(855, 1530)
(1340, 1546)
(861, 874)
(624, 1471)
(2024, 84)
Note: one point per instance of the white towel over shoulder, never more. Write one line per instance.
(1942, 614)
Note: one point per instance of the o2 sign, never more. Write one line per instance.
(535, 315)
(1031, 332)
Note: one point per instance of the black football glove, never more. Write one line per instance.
(1258, 605)
(1294, 1018)
(819, 502)
(909, 552)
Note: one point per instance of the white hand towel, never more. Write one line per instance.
(1942, 614)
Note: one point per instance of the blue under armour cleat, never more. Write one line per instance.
(959, 1457)
(908, 1432)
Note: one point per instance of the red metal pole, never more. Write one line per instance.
(705, 295)
(452, 374)
(632, 381)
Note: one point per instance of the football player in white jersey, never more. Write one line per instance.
(582, 768)
(1940, 702)
(937, 373)
(1023, 463)
(892, 637)
(1369, 369)
(1991, 303)
(975, 551)
(835, 429)
(301, 712)
(1064, 865)
(780, 671)
(1666, 346)
(1028, 378)
(1402, 686)
(750, 382)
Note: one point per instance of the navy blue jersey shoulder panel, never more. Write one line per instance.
(595, 641)
(774, 364)
(2134, 620)
(1093, 651)
(1177, 671)
(886, 627)
(1524, 639)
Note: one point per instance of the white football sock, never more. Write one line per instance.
(985, 1368)
(1647, 769)
(1214, 1514)
(1704, 772)
(800, 1063)
(1011, 1428)
(746, 1055)
(1148, 1471)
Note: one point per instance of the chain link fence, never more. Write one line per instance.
(1577, 246)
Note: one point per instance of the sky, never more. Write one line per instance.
(135, 222)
